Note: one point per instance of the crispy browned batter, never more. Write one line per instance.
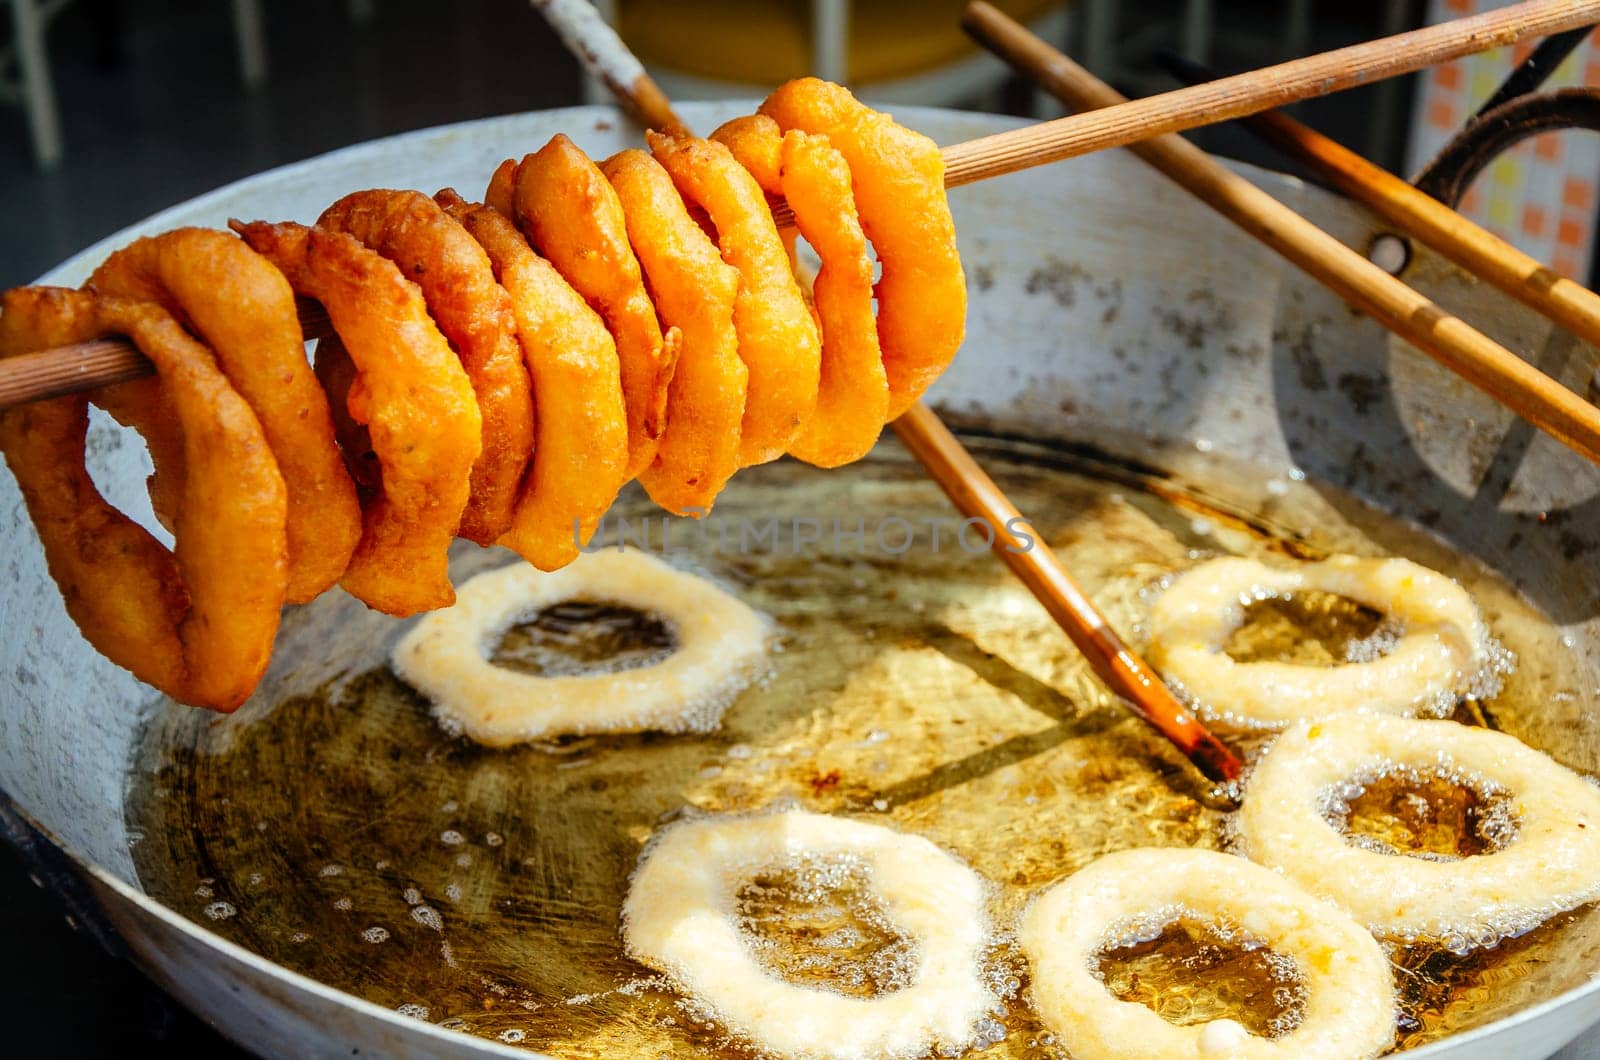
(694, 292)
(473, 313)
(898, 177)
(581, 456)
(778, 339)
(853, 391)
(242, 307)
(413, 396)
(197, 621)
(571, 215)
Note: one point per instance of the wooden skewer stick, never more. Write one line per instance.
(43, 376)
(975, 494)
(1036, 565)
(1129, 121)
(1126, 122)
(1418, 214)
(602, 53)
(1492, 368)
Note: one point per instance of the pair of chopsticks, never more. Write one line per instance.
(1515, 383)
(89, 365)
(1420, 215)
(76, 368)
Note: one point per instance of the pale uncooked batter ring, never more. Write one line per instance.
(720, 644)
(1349, 992)
(1551, 864)
(1444, 642)
(680, 917)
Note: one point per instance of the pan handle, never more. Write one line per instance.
(1486, 136)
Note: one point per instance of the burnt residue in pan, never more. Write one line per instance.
(332, 827)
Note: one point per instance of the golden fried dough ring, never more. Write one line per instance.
(581, 454)
(244, 310)
(757, 144)
(474, 314)
(777, 335)
(694, 291)
(853, 395)
(898, 176)
(198, 622)
(573, 218)
(502, 191)
(412, 394)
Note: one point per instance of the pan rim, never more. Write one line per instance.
(76, 268)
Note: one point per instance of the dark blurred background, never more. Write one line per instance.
(159, 101)
(154, 108)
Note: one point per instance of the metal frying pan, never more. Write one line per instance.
(1107, 308)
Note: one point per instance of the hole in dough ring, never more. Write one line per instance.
(1349, 991)
(680, 917)
(1443, 646)
(1551, 864)
(720, 643)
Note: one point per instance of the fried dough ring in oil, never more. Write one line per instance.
(414, 397)
(1549, 863)
(719, 647)
(694, 291)
(243, 309)
(581, 453)
(898, 176)
(474, 315)
(1443, 650)
(853, 392)
(572, 217)
(681, 917)
(1348, 1001)
(777, 335)
(197, 622)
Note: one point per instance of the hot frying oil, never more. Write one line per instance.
(1428, 814)
(583, 636)
(915, 684)
(1308, 629)
(819, 923)
(1196, 971)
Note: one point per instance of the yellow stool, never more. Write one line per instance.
(890, 50)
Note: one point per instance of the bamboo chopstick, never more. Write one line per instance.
(1418, 214)
(1036, 565)
(45, 375)
(1129, 121)
(593, 43)
(1492, 368)
(975, 494)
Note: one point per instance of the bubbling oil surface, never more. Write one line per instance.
(819, 923)
(1196, 971)
(1427, 813)
(1308, 629)
(920, 686)
(583, 636)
